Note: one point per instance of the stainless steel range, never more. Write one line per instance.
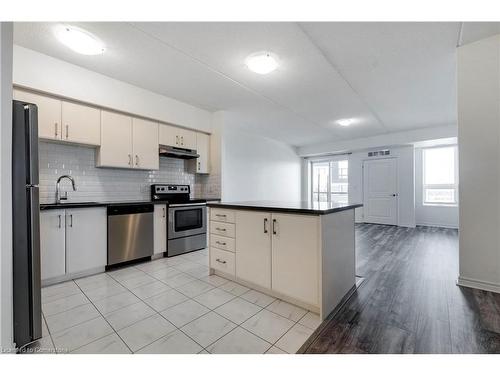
(187, 218)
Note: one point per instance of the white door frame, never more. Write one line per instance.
(395, 158)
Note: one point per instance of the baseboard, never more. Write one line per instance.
(404, 225)
(478, 284)
(437, 225)
(71, 276)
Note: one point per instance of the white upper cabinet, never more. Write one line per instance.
(59, 120)
(128, 142)
(168, 135)
(81, 124)
(188, 139)
(116, 141)
(177, 137)
(203, 149)
(49, 113)
(145, 144)
(125, 141)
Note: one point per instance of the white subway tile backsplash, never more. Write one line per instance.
(106, 184)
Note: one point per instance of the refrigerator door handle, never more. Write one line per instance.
(32, 142)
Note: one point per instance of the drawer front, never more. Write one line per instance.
(220, 242)
(222, 260)
(222, 215)
(222, 229)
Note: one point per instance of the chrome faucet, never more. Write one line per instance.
(58, 191)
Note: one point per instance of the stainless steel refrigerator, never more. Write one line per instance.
(26, 224)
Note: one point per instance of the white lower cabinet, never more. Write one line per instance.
(52, 244)
(160, 228)
(278, 252)
(86, 239)
(295, 256)
(72, 241)
(253, 247)
(223, 261)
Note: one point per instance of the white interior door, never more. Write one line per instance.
(380, 194)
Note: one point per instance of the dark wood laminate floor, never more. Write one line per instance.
(409, 302)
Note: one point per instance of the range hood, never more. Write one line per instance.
(179, 153)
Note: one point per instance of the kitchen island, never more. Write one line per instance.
(301, 252)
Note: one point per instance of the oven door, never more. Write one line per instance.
(186, 220)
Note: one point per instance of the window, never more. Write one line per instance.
(440, 180)
(330, 181)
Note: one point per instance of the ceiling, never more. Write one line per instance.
(388, 76)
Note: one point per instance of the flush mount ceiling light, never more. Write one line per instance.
(79, 40)
(262, 62)
(345, 122)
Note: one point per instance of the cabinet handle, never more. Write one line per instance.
(182, 140)
(265, 225)
(177, 140)
(199, 166)
(136, 160)
(221, 261)
(274, 227)
(164, 214)
(220, 215)
(59, 217)
(220, 243)
(55, 129)
(71, 221)
(129, 159)
(67, 131)
(221, 229)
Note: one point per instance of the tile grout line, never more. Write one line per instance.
(102, 315)
(159, 312)
(196, 278)
(50, 335)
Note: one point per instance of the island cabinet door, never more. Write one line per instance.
(253, 247)
(295, 256)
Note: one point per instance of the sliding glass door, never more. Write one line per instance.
(329, 181)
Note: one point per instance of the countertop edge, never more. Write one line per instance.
(285, 209)
(54, 206)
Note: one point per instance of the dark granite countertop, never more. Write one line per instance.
(55, 206)
(302, 207)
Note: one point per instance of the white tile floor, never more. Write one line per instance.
(169, 305)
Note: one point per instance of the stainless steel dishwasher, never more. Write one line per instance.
(130, 232)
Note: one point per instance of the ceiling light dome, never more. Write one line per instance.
(79, 40)
(262, 62)
(345, 122)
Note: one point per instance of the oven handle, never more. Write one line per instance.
(186, 204)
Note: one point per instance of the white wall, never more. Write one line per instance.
(258, 168)
(44, 73)
(6, 323)
(437, 216)
(479, 163)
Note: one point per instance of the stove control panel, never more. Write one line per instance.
(161, 190)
